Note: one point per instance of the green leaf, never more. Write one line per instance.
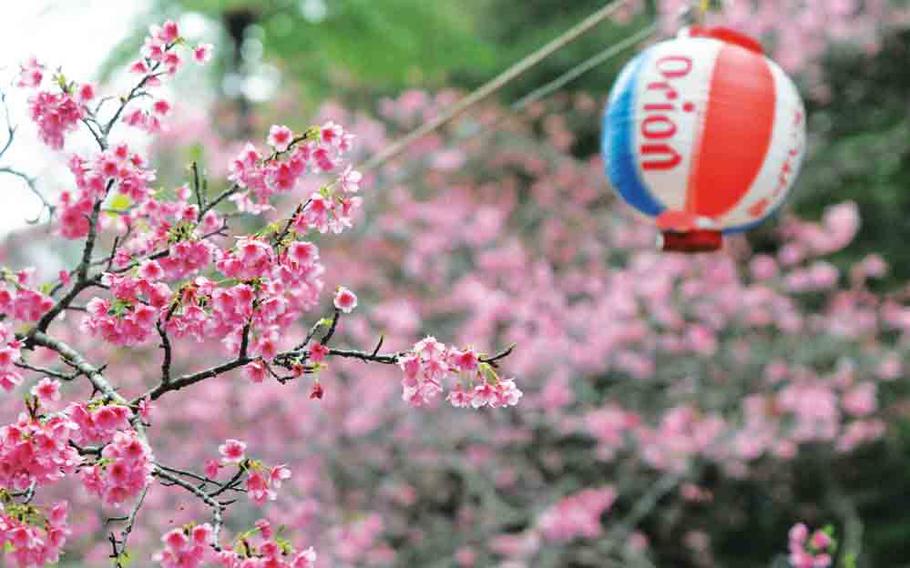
(489, 373)
(123, 559)
(120, 202)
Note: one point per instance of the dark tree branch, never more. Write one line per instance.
(74, 358)
(187, 380)
(118, 546)
(49, 372)
(217, 508)
(29, 180)
(166, 358)
(332, 327)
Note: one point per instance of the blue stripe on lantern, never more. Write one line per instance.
(620, 159)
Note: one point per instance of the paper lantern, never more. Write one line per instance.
(705, 135)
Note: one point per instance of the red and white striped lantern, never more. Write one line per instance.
(704, 134)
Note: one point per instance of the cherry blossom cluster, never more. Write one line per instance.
(159, 265)
(129, 318)
(122, 471)
(318, 150)
(36, 450)
(31, 536)
(815, 550)
(60, 108)
(158, 53)
(10, 352)
(191, 547)
(577, 515)
(186, 547)
(117, 169)
(430, 364)
(262, 481)
(176, 226)
(263, 547)
(56, 112)
(97, 422)
(40, 449)
(19, 301)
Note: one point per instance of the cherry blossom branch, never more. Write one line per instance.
(389, 358)
(252, 302)
(218, 199)
(288, 359)
(26, 495)
(332, 327)
(178, 471)
(187, 380)
(48, 372)
(217, 508)
(77, 361)
(10, 128)
(125, 101)
(30, 182)
(198, 189)
(166, 358)
(231, 484)
(118, 546)
(83, 280)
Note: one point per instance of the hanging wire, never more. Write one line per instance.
(561, 81)
(494, 85)
(547, 89)
(584, 67)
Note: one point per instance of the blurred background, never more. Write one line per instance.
(678, 412)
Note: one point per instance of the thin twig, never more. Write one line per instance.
(46, 371)
(74, 358)
(332, 326)
(217, 508)
(125, 533)
(166, 358)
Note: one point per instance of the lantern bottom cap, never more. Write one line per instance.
(697, 240)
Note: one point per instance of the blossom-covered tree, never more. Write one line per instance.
(158, 270)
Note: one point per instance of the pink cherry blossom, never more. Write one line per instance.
(232, 451)
(809, 551)
(47, 390)
(280, 137)
(345, 300)
(29, 542)
(31, 73)
(123, 471)
(187, 547)
(56, 115)
(85, 93)
(202, 53)
(10, 349)
(34, 450)
(264, 548)
(577, 516)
